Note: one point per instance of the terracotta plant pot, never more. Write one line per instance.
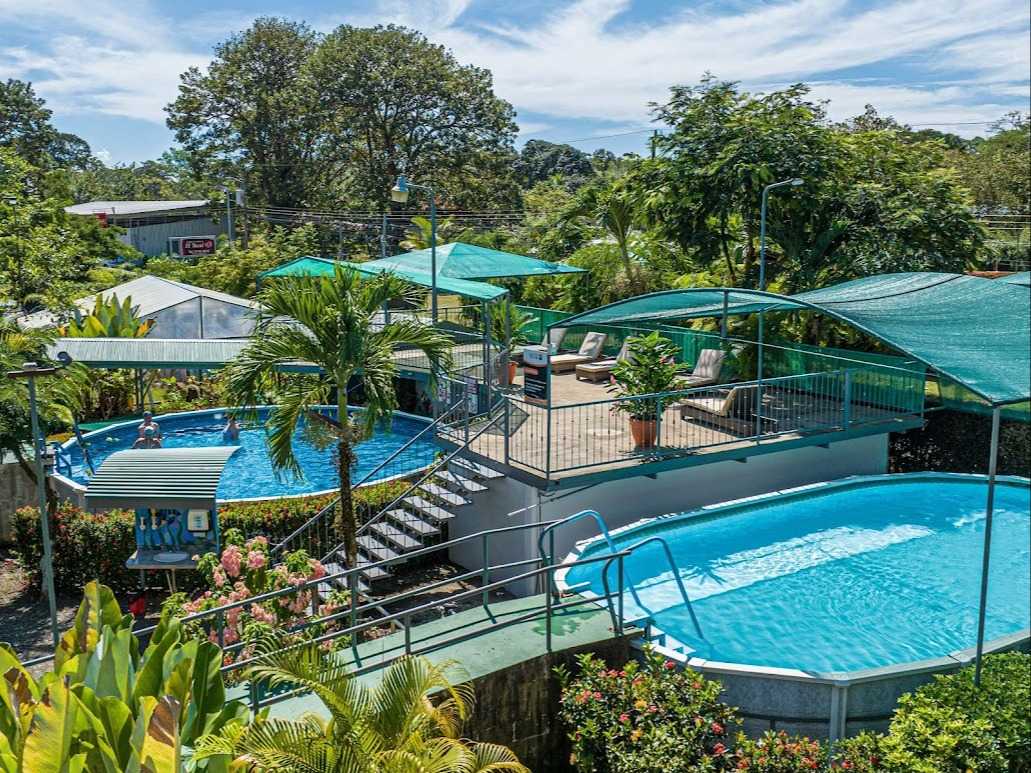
(511, 372)
(643, 432)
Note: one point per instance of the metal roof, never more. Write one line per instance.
(134, 207)
(975, 331)
(311, 266)
(189, 353)
(459, 260)
(179, 478)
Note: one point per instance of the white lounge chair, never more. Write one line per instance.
(600, 370)
(706, 370)
(732, 411)
(590, 350)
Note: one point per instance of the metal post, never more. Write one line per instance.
(383, 236)
(846, 400)
(993, 458)
(508, 406)
(220, 626)
(723, 319)
(433, 254)
(41, 491)
(406, 621)
(229, 216)
(547, 611)
(486, 573)
(619, 581)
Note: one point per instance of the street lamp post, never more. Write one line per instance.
(399, 193)
(794, 183)
(30, 372)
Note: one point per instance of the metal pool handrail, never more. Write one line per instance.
(633, 591)
(550, 532)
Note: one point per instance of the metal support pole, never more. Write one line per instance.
(433, 254)
(229, 216)
(993, 459)
(383, 237)
(723, 319)
(508, 419)
(407, 621)
(619, 581)
(485, 581)
(846, 401)
(547, 612)
(41, 491)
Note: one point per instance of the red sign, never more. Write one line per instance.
(201, 245)
(102, 217)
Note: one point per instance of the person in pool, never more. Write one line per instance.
(149, 439)
(231, 433)
(148, 421)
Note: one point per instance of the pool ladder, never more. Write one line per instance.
(548, 558)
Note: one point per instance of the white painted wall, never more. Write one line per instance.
(621, 502)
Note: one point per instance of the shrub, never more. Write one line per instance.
(778, 753)
(648, 717)
(950, 724)
(94, 546)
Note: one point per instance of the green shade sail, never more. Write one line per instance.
(311, 266)
(458, 260)
(178, 478)
(974, 331)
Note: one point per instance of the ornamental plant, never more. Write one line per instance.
(650, 368)
(648, 717)
(778, 752)
(243, 571)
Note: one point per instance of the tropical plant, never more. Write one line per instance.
(109, 318)
(328, 321)
(107, 707)
(649, 368)
(510, 325)
(616, 214)
(409, 722)
(419, 235)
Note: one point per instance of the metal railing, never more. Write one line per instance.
(591, 434)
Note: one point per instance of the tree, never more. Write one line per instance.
(25, 128)
(419, 235)
(995, 170)
(399, 103)
(409, 722)
(328, 321)
(254, 114)
(168, 177)
(539, 160)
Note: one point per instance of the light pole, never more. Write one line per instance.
(30, 372)
(229, 211)
(399, 193)
(794, 183)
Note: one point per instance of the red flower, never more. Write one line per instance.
(718, 749)
(624, 718)
(717, 728)
(669, 665)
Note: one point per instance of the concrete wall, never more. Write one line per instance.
(16, 490)
(621, 502)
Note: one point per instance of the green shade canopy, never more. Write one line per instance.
(179, 478)
(975, 331)
(310, 266)
(459, 260)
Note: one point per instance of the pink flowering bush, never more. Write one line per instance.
(649, 717)
(244, 570)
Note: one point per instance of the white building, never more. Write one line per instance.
(150, 225)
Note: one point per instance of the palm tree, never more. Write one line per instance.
(419, 235)
(328, 321)
(617, 216)
(409, 722)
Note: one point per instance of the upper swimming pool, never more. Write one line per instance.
(842, 577)
(249, 473)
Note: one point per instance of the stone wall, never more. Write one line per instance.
(518, 706)
(16, 490)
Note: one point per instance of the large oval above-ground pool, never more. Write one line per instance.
(249, 473)
(865, 578)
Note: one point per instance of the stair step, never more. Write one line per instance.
(478, 469)
(413, 523)
(465, 484)
(443, 494)
(399, 539)
(427, 508)
(376, 549)
(340, 583)
(371, 573)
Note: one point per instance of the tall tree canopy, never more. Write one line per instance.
(539, 160)
(25, 128)
(332, 120)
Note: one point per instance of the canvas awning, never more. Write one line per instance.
(974, 331)
(309, 266)
(458, 260)
(179, 478)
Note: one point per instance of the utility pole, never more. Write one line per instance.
(241, 204)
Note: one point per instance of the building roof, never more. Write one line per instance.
(149, 353)
(459, 260)
(311, 266)
(134, 207)
(974, 331)
(150, 294)
(179, 478)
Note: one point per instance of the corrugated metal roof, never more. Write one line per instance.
(134, 207)
(159, 477)
(189, 353)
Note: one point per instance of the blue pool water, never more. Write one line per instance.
(858, 576)
(249, 473)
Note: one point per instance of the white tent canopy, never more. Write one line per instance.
(179, 310)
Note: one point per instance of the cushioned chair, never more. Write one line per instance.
(600, 370)
(590, 350)
(706, 370)
(731, 411)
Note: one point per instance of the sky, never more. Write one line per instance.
(576, 70)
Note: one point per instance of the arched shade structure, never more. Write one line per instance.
(975, 331)
(458, 260)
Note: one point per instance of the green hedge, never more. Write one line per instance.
(94, 546)
(952, 441)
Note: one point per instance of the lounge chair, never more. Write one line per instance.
(732, 411)
(602, 369)
(706, 370)
(552, 339)
(590, 350)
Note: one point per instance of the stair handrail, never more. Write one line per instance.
(433, 470)
(633, 591)
(550, 530)
(321, 513)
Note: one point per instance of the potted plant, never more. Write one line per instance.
(650, 368)
(510, 327)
